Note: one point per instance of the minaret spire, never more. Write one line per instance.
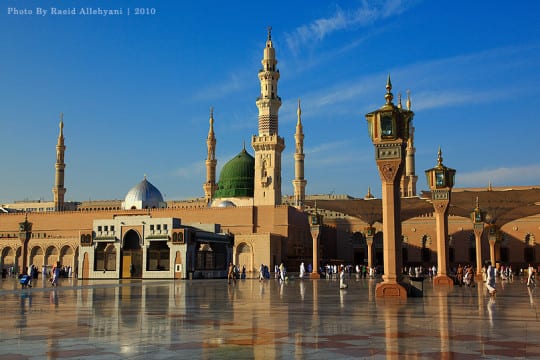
(268, 145)
(409, 178)
(59, 190)
(210, 185)
(299, 183)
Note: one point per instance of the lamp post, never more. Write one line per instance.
(388, 129)
(315, 229)
(441, 180)
(369, 234)
(25, 233)
(477, 217)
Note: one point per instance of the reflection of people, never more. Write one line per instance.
(302, 270)
(282, 272)
(131, 270)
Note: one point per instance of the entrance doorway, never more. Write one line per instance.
(131, 256)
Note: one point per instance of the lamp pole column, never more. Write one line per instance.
(315, 232)
(478, 228)
(441, 180)
(370, 232)
(389, 130)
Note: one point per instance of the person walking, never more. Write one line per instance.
(55, 275)
(342, 284)
(530, 273)
(302, 270)
(230, 274)
(490, 279)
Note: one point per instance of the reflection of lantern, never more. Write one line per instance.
(440, 176)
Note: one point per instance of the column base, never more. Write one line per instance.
(314, 275)
(443, 280)
(390, 290)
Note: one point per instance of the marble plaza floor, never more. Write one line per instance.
(300, 319)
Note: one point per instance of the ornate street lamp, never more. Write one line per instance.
(440, 180)
(388, 129)
(477, 217)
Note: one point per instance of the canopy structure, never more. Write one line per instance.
(501, 206)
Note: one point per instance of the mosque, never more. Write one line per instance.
(244, 218)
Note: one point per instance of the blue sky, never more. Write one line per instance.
(136, 91)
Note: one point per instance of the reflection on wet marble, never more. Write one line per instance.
(313, 319)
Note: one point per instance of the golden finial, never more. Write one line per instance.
(299, 111)
(399, 101)
(439, 158)
(369, 195)
(477, 203)
(244, 145)
(490, 188)
(408, 100)
(269, 28)
(388, 96)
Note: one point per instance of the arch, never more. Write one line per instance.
(8, 259)
(37, 257)
(51, 255)
(244, 256)
(131, 261)
(67, 256)
(426, 250)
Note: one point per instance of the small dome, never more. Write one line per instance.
(144, 195)
(237, 177)
(226, 204)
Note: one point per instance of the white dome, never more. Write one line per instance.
(144, 195)
(226, 203)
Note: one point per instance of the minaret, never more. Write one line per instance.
(299, 183)
(210, 185)
(268, 145)
(59, 190)
(409, 178)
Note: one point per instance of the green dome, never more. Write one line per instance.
(237, 177)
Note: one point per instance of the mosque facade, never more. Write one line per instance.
(242, 218)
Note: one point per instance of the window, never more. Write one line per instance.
(112, 227)
(158, 227)
(164, 226)
(158, 256)
(152, 227)
(99, 228)
(106, 228)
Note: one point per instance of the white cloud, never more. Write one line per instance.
(320, 28)
(522, 175)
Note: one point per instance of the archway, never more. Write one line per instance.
(51, 256)
(66, 256)
(131, 255)
(8, 259)
(243, 256)
(36, 257)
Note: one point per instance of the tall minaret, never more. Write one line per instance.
(59, 190)
(210, 185)
(409, 178)
(299, 183)
(268, 145)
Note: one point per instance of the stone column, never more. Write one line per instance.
(478, 230)
(315, 232)
(390, 171)
(441, 221)
(369, 242)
